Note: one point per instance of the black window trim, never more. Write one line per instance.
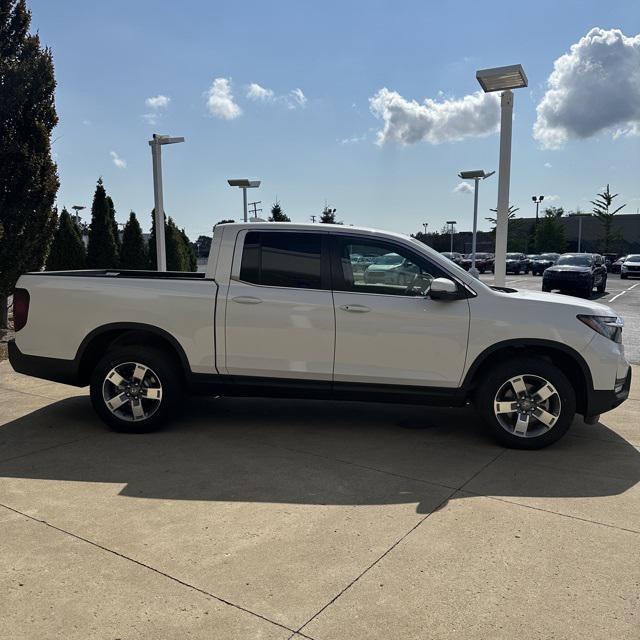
(325, 274)
(336, 270)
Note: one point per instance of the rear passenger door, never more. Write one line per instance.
(279, 313)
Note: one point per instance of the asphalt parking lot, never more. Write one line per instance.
(251, 518)
(622, 295)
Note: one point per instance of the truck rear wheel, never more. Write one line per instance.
(526, 403)
(134, 389)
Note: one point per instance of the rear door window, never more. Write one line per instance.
(282, 259)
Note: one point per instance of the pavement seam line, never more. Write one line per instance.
(550, 511)
(150, 568)
(35, 395)
(377, 560)
(53, 446)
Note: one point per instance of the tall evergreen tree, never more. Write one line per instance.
(550, 236)
(328, 216)
(191, 261)
(133, 253)
(602, 210)
(67, 249)
(277, 214)
(176, 258)
(114, 224)
(102, 252)
(204, 245)
(28, 176)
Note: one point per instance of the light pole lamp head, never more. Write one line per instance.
(476, 174)
(502, 78)
(244, 183)
(452, 222)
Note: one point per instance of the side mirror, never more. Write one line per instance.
(443, 289)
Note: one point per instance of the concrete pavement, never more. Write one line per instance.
(278, 519)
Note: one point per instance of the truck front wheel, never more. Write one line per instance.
(526, 403)
(134, 389)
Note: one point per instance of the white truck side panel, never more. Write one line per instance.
(183, 308)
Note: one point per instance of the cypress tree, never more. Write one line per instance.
(277, 214)
(102, 252)
(191, 261)
(67, 250)
(114, 224)
(133, 253)
(175, 247)
(28, 176)
(151, 245)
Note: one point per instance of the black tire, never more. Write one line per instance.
(163, 374)
(623, 277)
(602, 287)
(545, 288)
(494, 380)
(516, 272)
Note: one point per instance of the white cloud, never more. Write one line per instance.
(548, 165)
(463, 187)
(121, 163)
(220, 100)
(256, 92)
(86, 123)
(298, 98)
(434, 121)
(551, 198)
(593, 88)
(150, 118)
(353, 139)
(158, 102)
(295, 99)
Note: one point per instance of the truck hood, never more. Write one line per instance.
(580, 305)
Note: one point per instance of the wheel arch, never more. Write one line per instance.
(114, 334)
(567, 359)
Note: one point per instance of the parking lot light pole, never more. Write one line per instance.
(537, 200)
(451, 222)
(244, 184)
(156, 155)
(476, 176)
(503, 79)
(580, 216)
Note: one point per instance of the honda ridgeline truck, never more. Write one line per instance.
(281, 311)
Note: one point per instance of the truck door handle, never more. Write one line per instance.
(246, 300)
(355, 308)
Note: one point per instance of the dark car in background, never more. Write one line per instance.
(484, 262)
(617, 264)
(453, 256)
(530, 258)
(609, 259)
(542, 262)
(516, 263)
(578, 273)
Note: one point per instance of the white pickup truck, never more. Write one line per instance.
(282, 311)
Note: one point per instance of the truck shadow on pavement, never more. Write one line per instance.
(311, 452)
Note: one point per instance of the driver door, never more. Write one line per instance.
(388, 331)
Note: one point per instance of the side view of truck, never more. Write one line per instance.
(286, 310)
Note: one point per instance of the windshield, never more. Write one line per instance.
(514, 256)
(578, 261)
(389, 258)
(633, 258)
(548, 256)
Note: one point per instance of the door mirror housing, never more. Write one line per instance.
(444, 289)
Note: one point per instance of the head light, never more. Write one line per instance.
(607, 326)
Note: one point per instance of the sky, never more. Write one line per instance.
(370, 107)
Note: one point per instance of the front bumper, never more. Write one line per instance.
(603, 401)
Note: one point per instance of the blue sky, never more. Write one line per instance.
(112, 56)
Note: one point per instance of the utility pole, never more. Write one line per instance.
(255, 207)
(451, 231)
(425, 225)
(313, 219)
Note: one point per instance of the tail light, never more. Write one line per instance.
(20, 308)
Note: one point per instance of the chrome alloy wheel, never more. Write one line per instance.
(132, 391)
(527, 406)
